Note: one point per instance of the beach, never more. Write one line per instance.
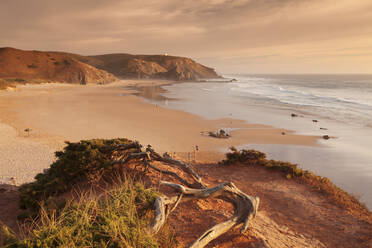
(291, 213)
(339, 106)
(56, 113)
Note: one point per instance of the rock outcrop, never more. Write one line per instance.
(50, 66)
(150, 66)
(74, 68)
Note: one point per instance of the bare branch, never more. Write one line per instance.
(245, 208)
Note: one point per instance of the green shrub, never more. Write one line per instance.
(118, 218)
(253, 157)
(81, 161)
(243, 156)
(291, 171)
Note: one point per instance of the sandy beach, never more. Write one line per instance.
(56, 113)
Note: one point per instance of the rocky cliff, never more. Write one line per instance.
(56, 67)
(74, 68)
(150, 66)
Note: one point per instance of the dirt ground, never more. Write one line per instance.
(290, 214)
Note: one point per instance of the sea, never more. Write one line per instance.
(339, 106)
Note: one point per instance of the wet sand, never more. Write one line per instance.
(345, 158)
(59, 112)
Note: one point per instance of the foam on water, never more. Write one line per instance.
(341, 104)
(342, 100)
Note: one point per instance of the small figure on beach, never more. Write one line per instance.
(28, 130)
(196, 149)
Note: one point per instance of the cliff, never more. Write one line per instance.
(59, 67)
(236, 203)
(150, 66)
(75, 68)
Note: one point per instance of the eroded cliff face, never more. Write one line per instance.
(56, 67)
(74, 68)
(151, 66)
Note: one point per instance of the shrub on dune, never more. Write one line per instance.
(118, 218)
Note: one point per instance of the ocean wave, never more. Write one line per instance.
(299, 96)
(206, 89)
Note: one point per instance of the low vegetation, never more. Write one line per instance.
(9, 83)
(86, 160)
(119, 218)
(292, 171)
(6, 83)
(118, 214)
(113, 216)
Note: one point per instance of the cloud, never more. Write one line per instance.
(215, 29)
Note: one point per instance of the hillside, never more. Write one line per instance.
(74, 68)
(50, 66)
(149, 66)
(115, 193)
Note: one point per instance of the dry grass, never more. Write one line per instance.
(117, 217)
(115, 214)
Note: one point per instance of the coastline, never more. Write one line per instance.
(343, 159)
(56, 113)
(292, 211)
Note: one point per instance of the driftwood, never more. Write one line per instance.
(245, 206)
(166, 172)
(186, 168)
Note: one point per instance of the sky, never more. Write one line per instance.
(233, 36)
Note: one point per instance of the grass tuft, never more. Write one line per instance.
(119, 217)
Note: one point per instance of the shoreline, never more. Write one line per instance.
(342, 158)
(56, 113)
(287, 204)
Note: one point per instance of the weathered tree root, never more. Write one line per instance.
(151, 155)
(166, 172)
(245, 206)
(168, 160)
